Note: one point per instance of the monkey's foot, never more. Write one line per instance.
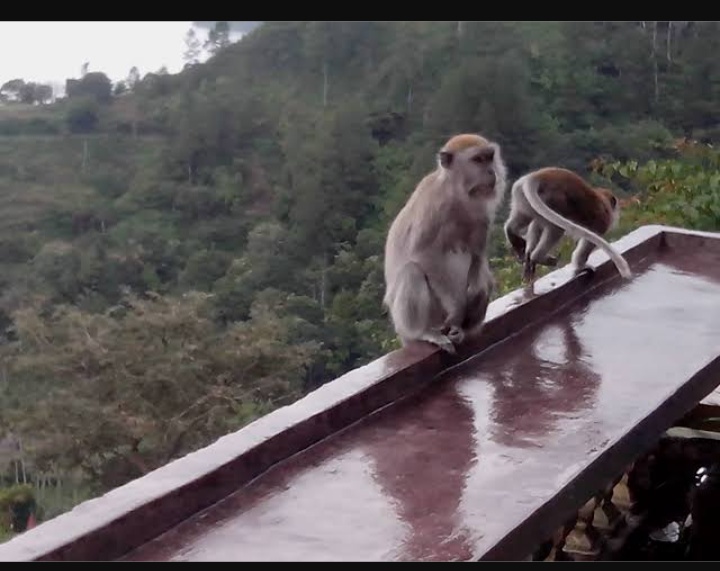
(442, 341)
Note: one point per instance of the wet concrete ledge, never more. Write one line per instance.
(109, 526)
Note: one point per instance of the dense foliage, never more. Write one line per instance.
(182, 253)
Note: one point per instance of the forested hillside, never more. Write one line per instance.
(183, 253)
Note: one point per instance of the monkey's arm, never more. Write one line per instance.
(480, 287)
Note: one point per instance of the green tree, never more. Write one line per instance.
(327, 161)
(12, 88)
(122, 392)
(82, 116)
(268, 261)
(94, 84)
(492, 97)
(192, 47)
(680, 191)
(218, 37)
(133, 78)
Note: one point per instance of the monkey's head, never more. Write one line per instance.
(612, 202)
(475, 164)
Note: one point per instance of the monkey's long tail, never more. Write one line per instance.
(530, 191)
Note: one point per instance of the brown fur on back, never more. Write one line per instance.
(568, 194)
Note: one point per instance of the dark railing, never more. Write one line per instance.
(518, 447)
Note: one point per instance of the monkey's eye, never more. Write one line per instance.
(484, 156)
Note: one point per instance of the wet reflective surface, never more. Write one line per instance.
(447, 472)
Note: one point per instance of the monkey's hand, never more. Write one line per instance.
(442, 341)
(455, 334)
(452, 326)
(517, 246)
(529, 268)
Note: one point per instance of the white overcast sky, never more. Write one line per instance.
(55, 51)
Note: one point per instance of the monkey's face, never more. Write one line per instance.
(477, 168)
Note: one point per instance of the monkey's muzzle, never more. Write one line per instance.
(484, 190)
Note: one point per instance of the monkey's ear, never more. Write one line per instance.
(446, 159)
(613, 201)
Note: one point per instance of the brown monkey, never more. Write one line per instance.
(550, 201)
(437, 276)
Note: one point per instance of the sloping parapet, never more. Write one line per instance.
(476, 456)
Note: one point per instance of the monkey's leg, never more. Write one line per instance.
(413, 305)
(581, 254)
(476, 311)
(532, 240)
(534, 233)
(481, 285)
(515, 227)
(549, 236)
(448, 283)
